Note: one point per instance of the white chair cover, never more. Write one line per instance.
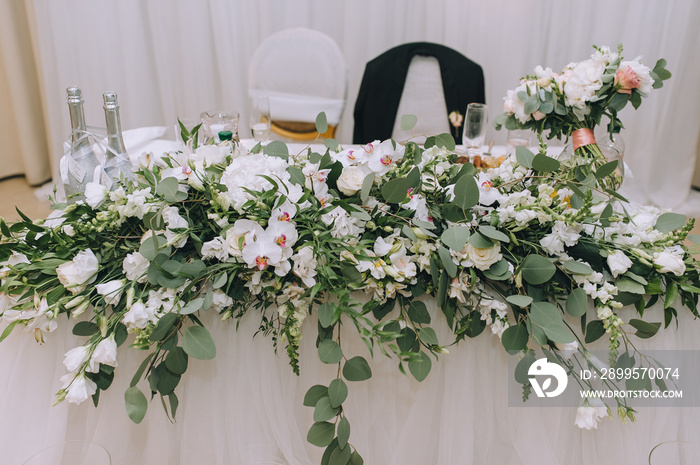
(304, 72)
(422, 96)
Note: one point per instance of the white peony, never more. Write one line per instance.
(79, 272)
(112, 290)
(135, 267)
(350, 180)
(618, 262)
(669, 262)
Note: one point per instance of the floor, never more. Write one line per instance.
(32, 201)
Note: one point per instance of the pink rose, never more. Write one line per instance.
(627, 80)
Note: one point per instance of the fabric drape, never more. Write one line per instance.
(22, 130)
(177, 58)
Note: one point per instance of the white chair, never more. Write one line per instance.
(423, 97)
(303, 73)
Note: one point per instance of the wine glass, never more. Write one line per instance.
(71, 453)
(216, 121)
(476, 122)
(517, 138)
(260, 117)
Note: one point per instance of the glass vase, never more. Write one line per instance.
(594, 160)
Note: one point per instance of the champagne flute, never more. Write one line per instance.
(260, 118)
(475, 123)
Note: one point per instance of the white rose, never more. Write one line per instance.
(484, 258)
(79, 272)
(669, 263)
(112, 290)
(135, 267)
(350, 180)
(106, 352)
(618, 262)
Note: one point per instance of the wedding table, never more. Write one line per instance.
(245, 407)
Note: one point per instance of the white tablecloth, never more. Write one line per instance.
(245, 407)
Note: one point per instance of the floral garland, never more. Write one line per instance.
(218, 228)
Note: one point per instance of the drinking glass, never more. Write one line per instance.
(476, 122)
(517, 138)
(71, 453)
(216, 121)
(260, 118)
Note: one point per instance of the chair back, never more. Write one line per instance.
(386, 78)
(303, 72)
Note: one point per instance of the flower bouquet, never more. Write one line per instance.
(352, 237)
(572, 103)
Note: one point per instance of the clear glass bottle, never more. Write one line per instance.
(79, 164)
(117, 163)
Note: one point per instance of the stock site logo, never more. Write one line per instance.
(542, 369)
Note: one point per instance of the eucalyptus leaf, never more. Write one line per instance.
(514, 338)
(493, 233)
(455, 237)
(544, 163)
(644, 329)
(337, 392)
(428, 336)
(321, 123)
(522, 301)
(524, 156)
(408, 122)
(314, 394)
(577, 267)
(466, 193)
(330, 352)
(198, 343)
(395, 191)
(577, 302)
(321, 433)
(136, 404)
(537, 269)
(343, 432)
(367, 184)
(323, 410)
(276, 148)
(549, 318)
(357, 369)
(447, 261)
(420, 368)
(669, 221)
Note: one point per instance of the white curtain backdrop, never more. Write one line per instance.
(177, 58)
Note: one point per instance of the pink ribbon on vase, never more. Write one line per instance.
(583, 136)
